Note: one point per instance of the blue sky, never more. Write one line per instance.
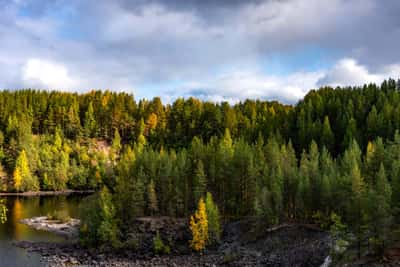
(226, 50)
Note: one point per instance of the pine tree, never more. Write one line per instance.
(116, 142)
(327, 137)
(350, 134)
(380, 209)
(73, 127)
(214, 224)
(90, 122)
(372, 123)
(395, 181)
(199, 182)
(58, 138)
(152, 203)
(357, 206)
(116, 145)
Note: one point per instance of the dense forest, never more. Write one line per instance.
(332, 159)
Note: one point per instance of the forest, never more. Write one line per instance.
(332, 159)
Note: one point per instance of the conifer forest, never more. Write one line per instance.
(333, 159)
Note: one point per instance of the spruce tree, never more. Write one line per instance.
(327, 138)
(356, 210)
(199, 182)
(214, 223)
(152, 203)
(90, 122)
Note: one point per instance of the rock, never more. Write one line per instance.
(243, 244)
(68, 229)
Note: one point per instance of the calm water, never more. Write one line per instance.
(26, 207)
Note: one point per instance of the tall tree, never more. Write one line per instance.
(90, 125)
(327, 138)
(199, 182)
(213, 217)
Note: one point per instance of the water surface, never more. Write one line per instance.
(27, 207)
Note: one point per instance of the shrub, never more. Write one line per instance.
(159, 246)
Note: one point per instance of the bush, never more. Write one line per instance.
(159, 246)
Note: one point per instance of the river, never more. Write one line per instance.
(26, 207)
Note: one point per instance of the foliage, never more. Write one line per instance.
(23, 178)
(213, 218)
(98, 220)
(159, 246)
(199, 227)
(337, 151)
(3, 212)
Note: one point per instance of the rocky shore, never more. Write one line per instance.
(244, 243)
(47, 193)
(68, 229)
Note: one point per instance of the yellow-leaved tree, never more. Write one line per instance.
(22, 176)
(17, 179)
(199, 227)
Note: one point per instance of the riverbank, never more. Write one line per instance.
(47, 193)
(55, 254)
(242, 245)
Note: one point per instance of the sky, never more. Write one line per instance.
(221, 50)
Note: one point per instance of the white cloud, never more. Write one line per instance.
(46, 74)
(238, 85)
(349, 72)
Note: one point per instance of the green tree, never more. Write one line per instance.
(357, 206)
(116, 143)
(213, 217)
(152, 203)
(98, 226)
(90, 124)
(327, 137)
(199, 182)
(380, 218)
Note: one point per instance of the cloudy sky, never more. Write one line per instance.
(216, 50)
